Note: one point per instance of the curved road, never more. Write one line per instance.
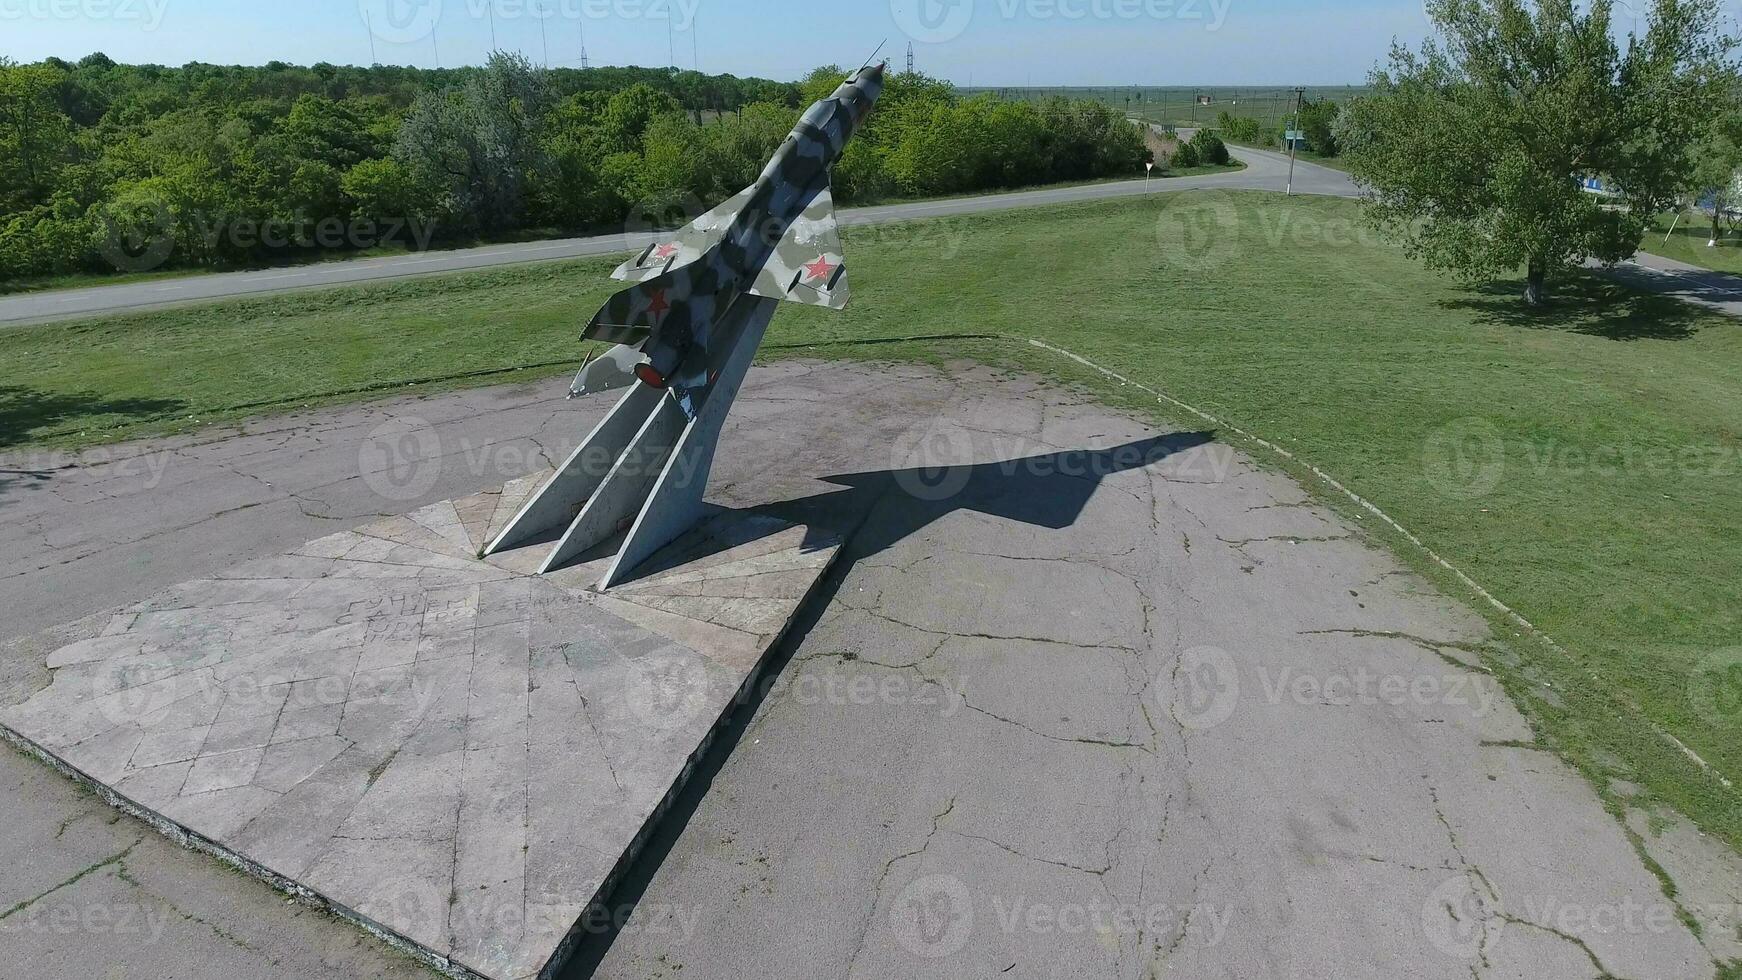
(1264, 171)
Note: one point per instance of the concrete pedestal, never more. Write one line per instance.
(458, 754)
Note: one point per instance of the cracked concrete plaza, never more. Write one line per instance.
(1080, 698)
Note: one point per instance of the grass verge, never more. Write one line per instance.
(1580, 463)
(1685, 241)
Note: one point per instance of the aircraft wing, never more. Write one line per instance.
(809, 264)
(686, 244)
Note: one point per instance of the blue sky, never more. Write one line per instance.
(985, 42)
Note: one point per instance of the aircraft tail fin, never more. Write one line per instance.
(630, 316)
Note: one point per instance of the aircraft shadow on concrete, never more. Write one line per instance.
(874, 511)
(1048, 490)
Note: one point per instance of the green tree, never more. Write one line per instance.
(1318, 121)
(628, 114)
(1474, 148)
(35, 134)
(1718, 163)
(334, 133)
(1240, 129)
(1210, 150)
(481, 140)
(387, 189)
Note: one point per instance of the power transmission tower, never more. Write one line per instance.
(581, 22)
(1299, 94)
(910, 57)
(543, 39)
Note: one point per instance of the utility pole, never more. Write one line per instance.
(1299, 94)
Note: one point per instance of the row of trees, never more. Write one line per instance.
(106, 166)
(1316, 119)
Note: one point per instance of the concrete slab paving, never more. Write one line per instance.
(1082, 697)
(456, 753)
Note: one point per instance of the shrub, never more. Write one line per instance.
(1240, 129)
(1210, 149)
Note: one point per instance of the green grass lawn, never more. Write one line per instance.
(1580, 463)
(80, 280)
(1687, 243)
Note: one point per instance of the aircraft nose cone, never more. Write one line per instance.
(878, 70)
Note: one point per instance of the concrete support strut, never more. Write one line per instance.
(645, 466)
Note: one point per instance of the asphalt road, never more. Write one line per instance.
(1264, 171)
(1100, 700)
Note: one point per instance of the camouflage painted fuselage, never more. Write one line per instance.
(776, 239)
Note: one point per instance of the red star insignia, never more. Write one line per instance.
(665, 251)
(657, 304)
(819, 269)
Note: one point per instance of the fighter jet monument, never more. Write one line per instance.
(686, 334)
